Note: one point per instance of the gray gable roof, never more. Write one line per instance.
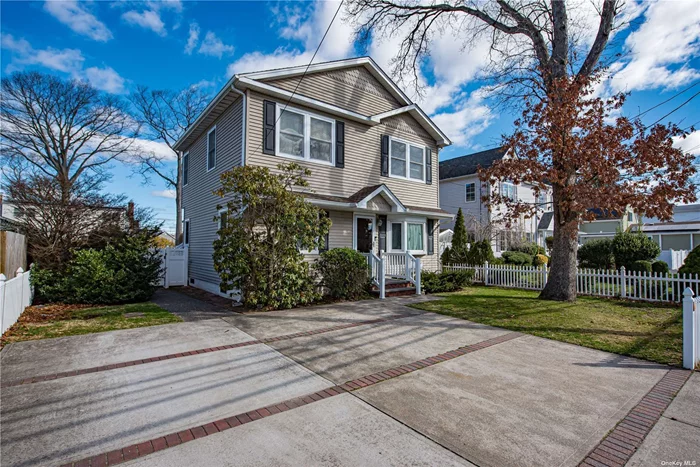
(546, 220)
(469, 164)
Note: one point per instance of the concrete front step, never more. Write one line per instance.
(396, 291)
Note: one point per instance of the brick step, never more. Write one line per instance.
(396, 291)
(395, 284)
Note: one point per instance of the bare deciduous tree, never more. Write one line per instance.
(541, 50)
(166, 115)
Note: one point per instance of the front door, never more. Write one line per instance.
(363, 234)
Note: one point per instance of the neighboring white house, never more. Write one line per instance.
(460, 187)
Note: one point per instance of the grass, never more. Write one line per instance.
(44, 322)
(642, 330)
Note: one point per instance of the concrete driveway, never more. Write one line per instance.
(366, 383)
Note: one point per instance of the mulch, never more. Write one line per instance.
(50, 312)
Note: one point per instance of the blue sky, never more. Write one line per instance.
(173, 44)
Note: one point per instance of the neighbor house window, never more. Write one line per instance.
(508, 190)
(305, 136)
(406, 160)
(470, 192)
(211, 149)
(396, 236)
(414, 237)
(185, 168)
(542, 200)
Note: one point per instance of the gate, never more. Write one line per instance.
(175, 265)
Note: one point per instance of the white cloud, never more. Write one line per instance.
(213, 46)
(661, 48)
(169, 194)
(192, 39)
(68, 61)
(280, 58)
(469, 118)
(105, 79)
(148, 19)
(78, 18)
(689, 144)
(64, 60)
(158, 149)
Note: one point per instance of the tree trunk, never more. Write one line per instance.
(561, 282)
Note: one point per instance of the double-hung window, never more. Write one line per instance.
(397, 236)
(508, 190)
(211, 149)
(470, 192)
(414, 237)
(302, 135)
(406, 160)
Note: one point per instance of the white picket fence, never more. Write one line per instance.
(691, 330)
(632, 285)
(15, 295)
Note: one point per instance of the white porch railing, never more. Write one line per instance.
(691, 330)
(633, 285)
(15, 295)
(394, 266)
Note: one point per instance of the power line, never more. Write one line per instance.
(306, 69)
(669, 99)
(674, 110)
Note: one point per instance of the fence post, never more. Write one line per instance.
(546, 274)
(417, 266)
(690, 339)
(486, 273)
(382, 279)
(2, 300)
(623, 283)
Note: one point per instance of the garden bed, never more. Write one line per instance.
(58, 320)
(643, 330)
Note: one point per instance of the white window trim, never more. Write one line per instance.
(465, 192)
(186, 232)
(307, 136)
(408, 160)
(218, 221)
(216, 149)
(186, 157)
(515, 190)
(404, 234)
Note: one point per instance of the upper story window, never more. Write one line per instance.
(630, 217)
(508, 190)
(305, 136)
(185, 168)
(211, 149)
(406, 160)
(542, 200)
(470, 190)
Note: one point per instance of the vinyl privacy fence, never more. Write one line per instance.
(633, 285)
(15, 295)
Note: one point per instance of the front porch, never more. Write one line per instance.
(398, 240)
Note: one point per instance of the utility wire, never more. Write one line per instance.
(306, 69)
(674, 110)
(669, 99)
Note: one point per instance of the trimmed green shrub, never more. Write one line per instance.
(628, 247)
(528, 248)
(480, 252)
(497, 261)
(124, 271)
(692, 262)
(344, 273)
(660, 267)
(549, 241)
(597, 254)
(445, 257)
(539, 260)
(516, 257)
(640, 266)
(447, 281)
(460, 242)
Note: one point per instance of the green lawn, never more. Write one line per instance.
(643, 330)
(66, 320)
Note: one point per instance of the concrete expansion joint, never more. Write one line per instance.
(134, 451)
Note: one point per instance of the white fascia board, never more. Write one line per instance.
(441, 139)
(431, 214)
(246, 83)
(386, 191)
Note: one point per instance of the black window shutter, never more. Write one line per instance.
(431, 236)
(385, 155)
(428, 166)
(382, 233)
(339, 144)
(269, 118)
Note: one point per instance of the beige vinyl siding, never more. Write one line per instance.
(362, 157)
(198, 200)
(352, 88)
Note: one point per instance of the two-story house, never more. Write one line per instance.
(460, 187)
(373, 156)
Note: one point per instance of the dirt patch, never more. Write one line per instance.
(52, 312)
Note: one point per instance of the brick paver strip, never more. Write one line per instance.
(142, 449)
(618, 446)
(113, 366)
